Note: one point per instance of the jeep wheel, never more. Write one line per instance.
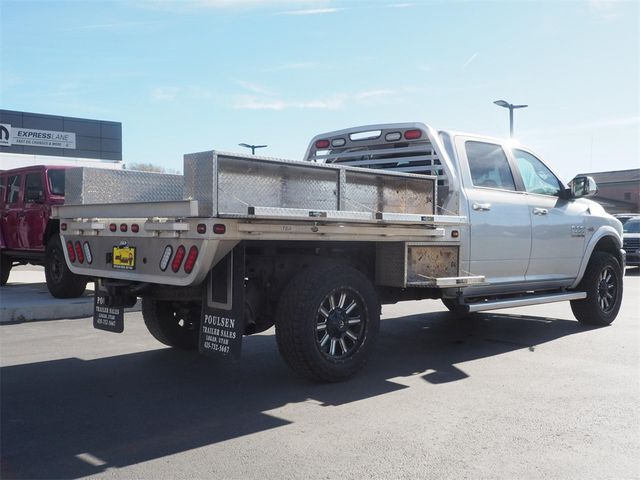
(61, 282)
(176, 324)
(5, 269)
(327, 322)
(603, 283)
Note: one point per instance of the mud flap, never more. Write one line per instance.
(107, 316)
(221, 322)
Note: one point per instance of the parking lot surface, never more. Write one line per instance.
(520, 393)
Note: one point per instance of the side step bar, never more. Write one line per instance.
(523, 301)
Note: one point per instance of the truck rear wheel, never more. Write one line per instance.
(61, 282)
(603, 283)
(327, 322)
(176, 324)
(5, 269)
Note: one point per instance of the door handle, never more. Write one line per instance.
(482, 207)
(540, 211)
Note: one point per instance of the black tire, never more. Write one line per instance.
(454, 307)
(176, 324)
(603, 283)
(5, 269)
(61, 282)
(327, 322)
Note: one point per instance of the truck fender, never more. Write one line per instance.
(53, 228)
(602, 232)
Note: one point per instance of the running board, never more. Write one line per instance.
(525, 301)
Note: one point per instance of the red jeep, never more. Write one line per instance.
(28, 234)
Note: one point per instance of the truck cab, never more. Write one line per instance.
(28, 234)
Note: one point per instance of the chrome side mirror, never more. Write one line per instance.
(583, 186)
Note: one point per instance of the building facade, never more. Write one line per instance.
(618, 191)
(39, 139)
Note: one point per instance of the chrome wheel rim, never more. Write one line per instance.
(607, 289)
(340, 324)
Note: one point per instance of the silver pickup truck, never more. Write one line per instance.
(372, 215)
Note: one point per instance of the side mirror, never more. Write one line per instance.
(583, 186)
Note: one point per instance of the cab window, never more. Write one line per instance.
(13, 189)
(33, 187)
(536, 176)
(489, 166)
(56, 182)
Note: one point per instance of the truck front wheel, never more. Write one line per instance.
(176, 324)
(61, 282)
(327, 322)
(603, 283)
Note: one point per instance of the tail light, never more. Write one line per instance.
(191, 259)
(123, 227)
(166, 256)
(135, 228)
(63, 227)
(71, 252)
(87, 252)
(202, 228)
(412, 134)
(219, 228)
(79, 252)
(322, 144)
(113, 227)
(177, 260)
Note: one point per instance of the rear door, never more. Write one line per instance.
(12, 211)
(34, 221)
(500, 224)
(558, 225)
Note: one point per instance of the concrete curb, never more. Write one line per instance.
(32, 302)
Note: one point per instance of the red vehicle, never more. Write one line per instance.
(28, 234)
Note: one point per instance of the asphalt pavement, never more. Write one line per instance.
(523, 393)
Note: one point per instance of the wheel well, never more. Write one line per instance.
(609, 245)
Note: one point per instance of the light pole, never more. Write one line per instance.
(511, 107)
(252, 147)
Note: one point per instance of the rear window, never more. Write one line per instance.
(632, 226)
(489, 166)
(56, 182)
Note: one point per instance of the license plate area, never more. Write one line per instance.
(124, 258)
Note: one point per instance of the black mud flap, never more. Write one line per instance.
(105, 315)
(222, 323)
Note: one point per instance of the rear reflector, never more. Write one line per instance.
(322, 144)
(412, 134)
(71, 252)
(201, 228)
(219, 228)
(166, 256)
(63, 227)
(191, 259)
(177, 260)
(393, 136)
(123, 227)
(87, 252)
(79, 252)
(135, 228)
(113, 227)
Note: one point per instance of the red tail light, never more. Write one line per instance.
(320, 144)
(191, 259)
(113, 227)
(123, 227)
(63, 227)
(79, 252)
(219, 228)
(135, 228)
(202, 228)
(177, 260)
(71, 252)
(412, 134)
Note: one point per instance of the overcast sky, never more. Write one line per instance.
(186, 76)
